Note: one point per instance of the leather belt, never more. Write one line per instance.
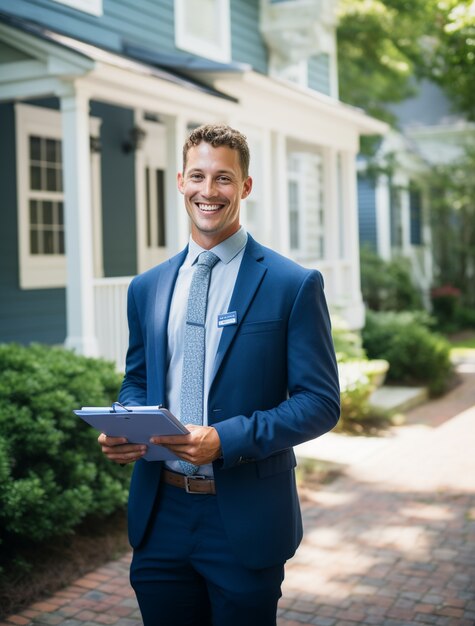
(195, 483)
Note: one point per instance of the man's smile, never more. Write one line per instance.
(209, 208)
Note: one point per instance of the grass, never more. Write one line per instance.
(462, 345)
(467, 344)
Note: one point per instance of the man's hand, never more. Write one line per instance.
(119, 450)
(200, 446)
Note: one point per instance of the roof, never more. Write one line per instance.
(139, 62)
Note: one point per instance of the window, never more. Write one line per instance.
(152, 194)
(45, 196)
(155, 207)
(203, 28)
(87, 6)
(396, 217)
(41, 231)
(306, 205)
(415, 209)
(294, 217)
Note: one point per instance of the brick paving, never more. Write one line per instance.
(389, 543)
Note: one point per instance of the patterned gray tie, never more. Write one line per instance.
(191, 409)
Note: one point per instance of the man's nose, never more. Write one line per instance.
(209, 187)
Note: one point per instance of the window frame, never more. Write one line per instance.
(190, 43)
(93, 7)
(43, 271)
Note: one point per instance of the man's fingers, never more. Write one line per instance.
(118, 450)
(104, 440)
(166, 440)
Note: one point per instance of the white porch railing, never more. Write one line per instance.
(110, 297)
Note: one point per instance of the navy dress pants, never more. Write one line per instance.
(186, 574)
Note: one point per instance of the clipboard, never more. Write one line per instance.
(137, 424)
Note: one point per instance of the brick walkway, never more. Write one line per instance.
(390, 543)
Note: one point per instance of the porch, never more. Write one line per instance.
(303, 202)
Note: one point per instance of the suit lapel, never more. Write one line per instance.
(249, 278)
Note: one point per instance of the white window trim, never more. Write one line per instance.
(297, 177)
(94, 7)
(153, 154)
(43, 271)
(220, 51)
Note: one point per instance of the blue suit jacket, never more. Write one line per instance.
(275, 385)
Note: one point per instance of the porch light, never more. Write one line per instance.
(95, 145)
(135, 140)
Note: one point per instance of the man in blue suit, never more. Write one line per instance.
(210, 547)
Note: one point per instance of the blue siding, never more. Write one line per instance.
(25, 315)
(319, 73)
(147, 23)
(367, 212)
(246, 40)
(118, 191)
(40, 314)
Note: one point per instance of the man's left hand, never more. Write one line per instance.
(200, 446)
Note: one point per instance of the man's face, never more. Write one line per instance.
(213, 186)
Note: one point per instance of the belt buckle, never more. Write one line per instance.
(189, 478)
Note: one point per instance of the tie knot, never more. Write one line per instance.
(208, 258)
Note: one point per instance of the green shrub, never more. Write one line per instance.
(387, 285)
(415, 354)
(52, 472)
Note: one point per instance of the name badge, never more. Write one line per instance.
(227, 319)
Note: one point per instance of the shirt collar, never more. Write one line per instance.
(226, 250)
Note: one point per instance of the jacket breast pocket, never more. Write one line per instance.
(279, 462)
(266, 326)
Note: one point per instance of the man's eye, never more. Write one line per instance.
(223, 179)
(196, 177)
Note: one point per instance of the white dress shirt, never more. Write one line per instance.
(223, 278)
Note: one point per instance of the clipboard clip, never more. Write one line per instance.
(117, 407)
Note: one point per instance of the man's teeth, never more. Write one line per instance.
(209, 207)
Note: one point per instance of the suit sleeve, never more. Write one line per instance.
(134, 385)
(313, 404)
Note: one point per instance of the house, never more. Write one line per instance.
(394, 202)
(96, 99)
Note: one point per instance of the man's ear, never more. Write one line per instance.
(247, 187)
(180, 182)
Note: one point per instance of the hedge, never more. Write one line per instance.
(415, 353)
(52, 472)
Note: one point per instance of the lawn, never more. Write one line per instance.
(462, 346)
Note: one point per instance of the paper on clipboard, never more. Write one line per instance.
(137, 424)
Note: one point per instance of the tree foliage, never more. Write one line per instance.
(387, 285)
(453, 64)
(453, 223)
(384, 44)
(381, 46)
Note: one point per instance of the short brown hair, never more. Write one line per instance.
(219, 135)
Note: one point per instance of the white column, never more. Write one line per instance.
(178, 228)
(332, 225)
(280, 195)
(81, 335)
(406, 220)
(355, 310)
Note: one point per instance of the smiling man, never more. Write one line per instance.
(235, 340)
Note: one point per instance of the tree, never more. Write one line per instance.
(454, 55)
(382, 44)
(453, 223)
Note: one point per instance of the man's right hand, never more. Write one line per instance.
(119, 450)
